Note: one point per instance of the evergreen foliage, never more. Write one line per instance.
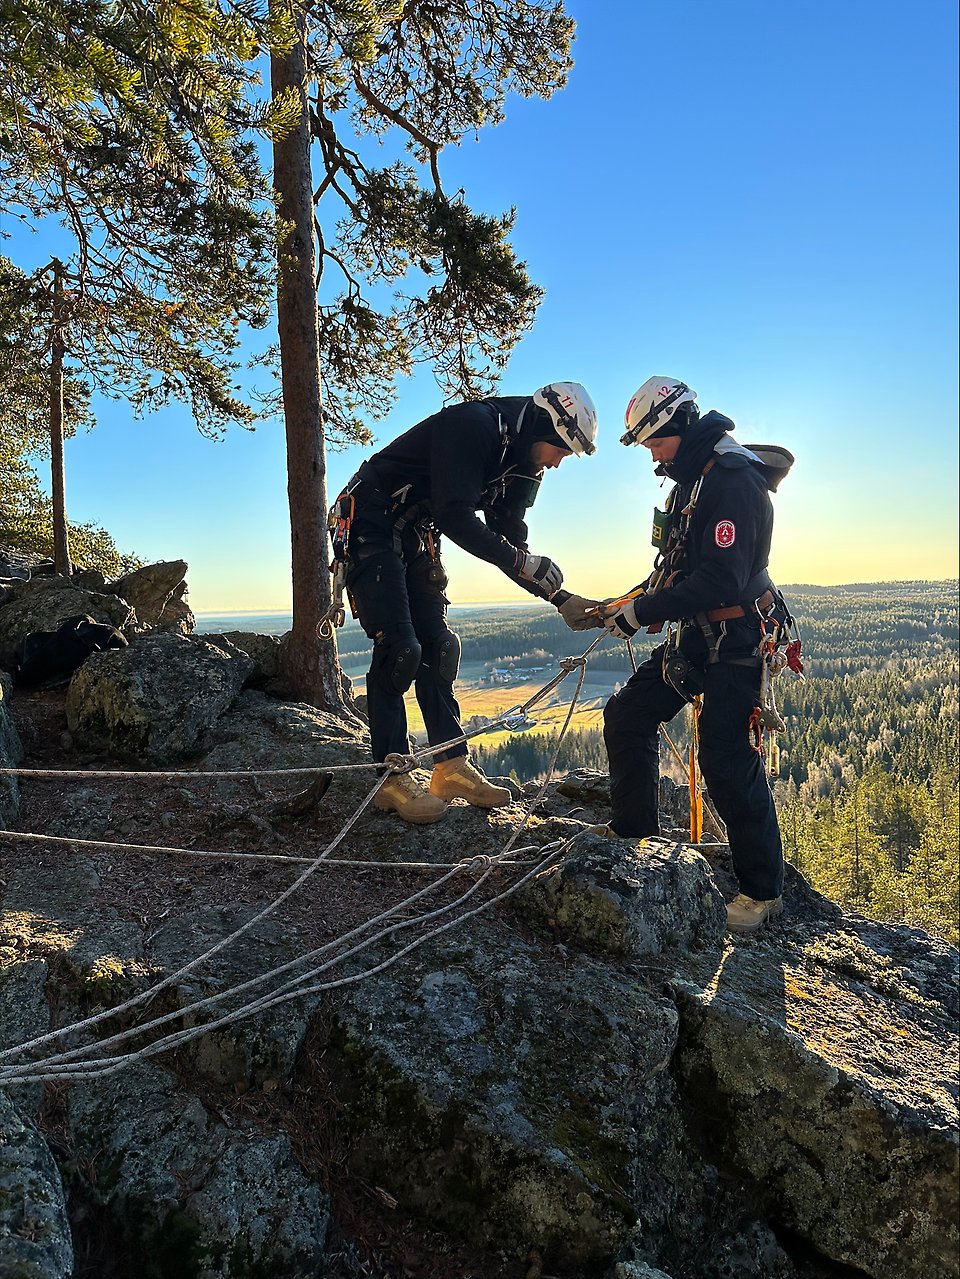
(128, 125)
(26, 516)
(417, 274)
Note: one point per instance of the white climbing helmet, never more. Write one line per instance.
(652, 406)
(572, 413)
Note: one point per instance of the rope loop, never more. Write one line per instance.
(398, 763)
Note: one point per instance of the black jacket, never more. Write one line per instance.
(466, 458)
(727, 546)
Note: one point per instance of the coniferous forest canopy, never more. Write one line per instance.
(868, 791)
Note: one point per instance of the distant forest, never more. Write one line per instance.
(868, 792)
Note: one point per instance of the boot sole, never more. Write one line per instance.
(475, 803)
(411, 821)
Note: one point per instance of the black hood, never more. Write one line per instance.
(534, 422)
(696, 444)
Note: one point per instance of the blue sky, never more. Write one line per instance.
(760, 199)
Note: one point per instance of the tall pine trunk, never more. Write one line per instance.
(61, 547)
(309, 663)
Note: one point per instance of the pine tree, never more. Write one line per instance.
(456, 296)
(127, 125)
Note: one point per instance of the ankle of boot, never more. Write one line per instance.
(444, 767)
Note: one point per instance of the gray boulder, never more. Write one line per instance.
(11, 753)
(517, 1101)
(151, 589)
(35, 1241)
(152, 701)
(633, 902)
(819, 1066)
(45, 602)
(177, 617)
(188, 1194)
(257, 1052)
(263, 650)
(260, 732)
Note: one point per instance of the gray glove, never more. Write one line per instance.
(540, 571)
(572, 608)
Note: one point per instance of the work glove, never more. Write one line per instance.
(623, 623)
(539, 571)
(573, 610)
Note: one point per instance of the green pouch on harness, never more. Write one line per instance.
(661, 527)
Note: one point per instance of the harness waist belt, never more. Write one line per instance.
(765, 601)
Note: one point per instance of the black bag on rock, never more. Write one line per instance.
(44, 656)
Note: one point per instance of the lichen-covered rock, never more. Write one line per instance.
(637, 1270)
(45, 602)
(634, 902)
(258, 1051)
(261, 732)
(35, 1241)
(821, 1067)
(177, 617)
(520, 1101)
(258, 1215)
(11, 753)
(190, 1196)
(264, 650)
(151, 588)
(152, 701)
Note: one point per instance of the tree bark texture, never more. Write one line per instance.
(310, 663)
(61, 547)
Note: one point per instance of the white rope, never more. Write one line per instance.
(92, 844)
(218, 946)
(85, 774)
(107, 1066)
(14, 1073)
(72, 1055)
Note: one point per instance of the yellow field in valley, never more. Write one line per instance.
(486, 703)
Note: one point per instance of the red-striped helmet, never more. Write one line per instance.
(652, 406)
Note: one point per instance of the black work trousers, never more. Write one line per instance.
(402, 607)
(732, 770)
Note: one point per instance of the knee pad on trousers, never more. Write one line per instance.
(445, 657)
(397, 658)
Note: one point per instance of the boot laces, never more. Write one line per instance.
(407, 785)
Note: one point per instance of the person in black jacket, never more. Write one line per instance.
(711, 577)
(483, 456)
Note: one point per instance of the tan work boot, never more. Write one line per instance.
(459, 779)
(746, 914)
(403, 795)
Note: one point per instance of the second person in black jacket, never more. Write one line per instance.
(711, 578)
(487, 457)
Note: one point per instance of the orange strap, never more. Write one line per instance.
(696, 794)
